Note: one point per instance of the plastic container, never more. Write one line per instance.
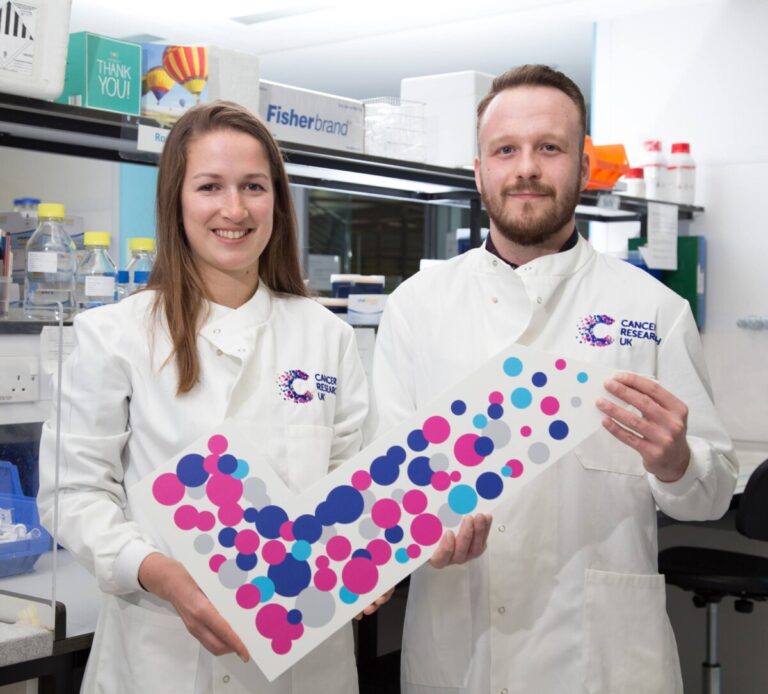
(368, 284)
(607, 163)
(654, 171)
(635, 182)
(49, 281)
(682, 174)
(123, 287)
(27, 208)
(340, 285)
(142, 250)
(96, 273)
(140, 280)
(395, 128)
(334, 305)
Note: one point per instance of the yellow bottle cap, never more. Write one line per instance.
(96, 238)
(141, 244)
(50, 209)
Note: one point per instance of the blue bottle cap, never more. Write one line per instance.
(122, 276)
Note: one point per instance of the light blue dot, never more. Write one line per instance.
(402, 555)
(513, 366)
(506, 471)
(301, 550)
(266, 587)
(582, 377)
(521, 398)
(242, 470)
(462, 499)
(480, 421)
(348, 596)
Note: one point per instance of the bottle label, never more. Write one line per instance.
(42, 261)
(99, 285)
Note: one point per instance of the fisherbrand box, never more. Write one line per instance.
(312, 118)
(103, 73)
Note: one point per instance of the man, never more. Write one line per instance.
(567, 598)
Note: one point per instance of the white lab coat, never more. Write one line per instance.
(567, 599)
(121, 419)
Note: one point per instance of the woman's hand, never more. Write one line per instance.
(169, 580)
(467, 544)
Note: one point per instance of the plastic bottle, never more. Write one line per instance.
(123, 288)
(95, 275)
(635, 182)
(27, 208)
(682, 174)
(654, 171)
(50, 269)
(140, 280)
(142, 259)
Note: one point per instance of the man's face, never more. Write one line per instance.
(530, 172)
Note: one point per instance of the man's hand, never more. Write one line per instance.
(468, 543)
(375, 605)
(658, 433)
(169, 580)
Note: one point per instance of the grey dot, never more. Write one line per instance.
(369, 499)
(448, 516)
(397, 495)
(368, 529)
(499, 432)
(538, 453)
(329, 531)
(196, 492)
(317, 607)
(232, 576)
(576, 401)
(439, 461)
(254, 486)
(203, 544)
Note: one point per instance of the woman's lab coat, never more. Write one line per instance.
(120, 419)
(567, 599)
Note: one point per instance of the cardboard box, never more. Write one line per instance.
(312, 118)
(450, 113)
(103, 73)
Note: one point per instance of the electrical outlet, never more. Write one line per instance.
(19, 379)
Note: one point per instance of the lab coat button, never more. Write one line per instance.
(539, 299)
(505, 691)
(219, 352)
(502, 528)
(495, 299)
(501, 610)
(495, 263)
(216, 331)
(241, 350)
(225, 679)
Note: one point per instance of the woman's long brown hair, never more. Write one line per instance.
(181, 292)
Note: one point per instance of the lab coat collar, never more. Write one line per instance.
(233, 321)
(564, 263)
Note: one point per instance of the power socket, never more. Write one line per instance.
(19, 379)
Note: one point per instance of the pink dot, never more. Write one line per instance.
(496, 398)
(413, 551)
(168, 489)
(386, 513)
(441, 480)
(322, 562)
(273, 552)
(286, 531)
(426, 529)
(550, 405)
(223, 489)
(217, 444)
(525, 431)
(516, 467)
(360, 575)
(361, 480)
(211, 464)
(415, 501)
(560, 364)
(464, 450)
(248, 596)
(216, 561)
(205, 521)
(380, 550)
(231, 514)
(436, 429)
(247, 541)
(338, 548)
(271, 619)
(325, 580)
(185, 517)
(455, 476)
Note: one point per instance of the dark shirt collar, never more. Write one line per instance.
(573, 239)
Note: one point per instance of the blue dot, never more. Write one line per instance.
(479, 421)
(458, 407)
(347, 596)
(242, 470)
(513, 366)
(483, 446)
(401, 555)
(462, 499)
(495, 411)
(397, 455)
(364, 553)
(250, 515)
(191, 471)
(269, 520)
(558, 430)
(294, 617)
(290, 576)
(506, 471)
(582, 377)
(384, 471)
(227, 537)
(227, 464)
(344, 504)
(416, 440)
(489, 485)
(521, 398)
(539, 379)
(419, 471)
(301, 550)
(265, 586)
(308, 528)
(246, 562)
(394, 534)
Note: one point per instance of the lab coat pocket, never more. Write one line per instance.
(308, 447)
(629, 647)
(604, 452)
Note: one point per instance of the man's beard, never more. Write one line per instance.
(527, 229)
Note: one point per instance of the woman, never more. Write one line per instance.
(224, 317)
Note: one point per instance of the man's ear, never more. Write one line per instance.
(584, 170)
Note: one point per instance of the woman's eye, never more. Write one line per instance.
(254, 187)
(206, 187)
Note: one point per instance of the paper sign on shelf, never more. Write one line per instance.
(288, 570)
(661, 251)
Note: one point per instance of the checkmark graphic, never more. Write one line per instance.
(288, 570)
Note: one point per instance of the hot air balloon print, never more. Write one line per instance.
(158, 82)
(188, 65)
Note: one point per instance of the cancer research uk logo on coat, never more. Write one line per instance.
(594, 330)
(289, 388)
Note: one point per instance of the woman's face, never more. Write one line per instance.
(227, 204)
